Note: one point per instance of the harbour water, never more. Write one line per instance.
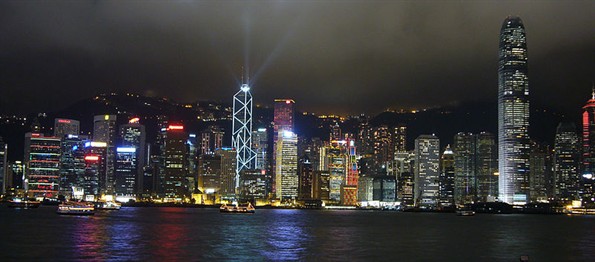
(194, 234)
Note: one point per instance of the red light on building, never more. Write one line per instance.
(134, 120)
(65, 121)
(35, 134)
(175, 127)
(91, 158)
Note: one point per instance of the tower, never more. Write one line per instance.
(513, 113)
(427, 171)
(241, 138)
(104, 130)
(588, 161)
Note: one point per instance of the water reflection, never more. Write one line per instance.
(89, 238)
(125, 240)
(286, 237)
(170, 235)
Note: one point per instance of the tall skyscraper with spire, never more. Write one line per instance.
(513, 113)
(241, 138)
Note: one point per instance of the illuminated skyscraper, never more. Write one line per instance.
(42, 165)
(211, 140)
(95, 165)
(72, 163)
(447, 178)
(566, 162)
(464, 168)
(513, 113)
(131, 135)
(541, 172)
(3, 166)
(175, 153)
(228, 169)
(104, 130)
(287, 181)
(241, 138)
(282, 121)
(587, 179)
(486, 164)
(260, 146)
(427, 171)
(64, 127)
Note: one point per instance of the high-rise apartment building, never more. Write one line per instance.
(513, 113)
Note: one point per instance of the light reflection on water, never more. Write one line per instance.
(166, 234)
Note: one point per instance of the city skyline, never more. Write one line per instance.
(383, 57)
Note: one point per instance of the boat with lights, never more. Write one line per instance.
(235, 208)
(76, 209)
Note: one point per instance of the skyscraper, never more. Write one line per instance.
(72, 163)
(513, 113)
(427, 171)
(282, 121)
(132, 135)
(211, 140)
(464, 165)
(228, 176)
(64, 127)
(104, 130)
(447, 178)
(486, 164)
(260, 145)
(587, 179)
(42, 165)
(3, 166)
(241, 138)
(287, 181)
(175, 153)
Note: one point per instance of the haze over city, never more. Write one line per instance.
(365, 56)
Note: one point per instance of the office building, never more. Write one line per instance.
(566, 162)
(104, 130)
(513, 113)
(287, 181)
(447, 178)
(42, 165)
(427, 171)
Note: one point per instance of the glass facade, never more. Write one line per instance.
(513, 113)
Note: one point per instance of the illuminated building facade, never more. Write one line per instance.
(42, 165)
(104, 130)
(126, 173)
(365, 189)
(486, 164)
(321, 185)
(405, 178)
(209, 173)
(131, 135)
(211, 139)
(228, 172)
(252, 185)
(3, 167)
(241, 139)
(260, 146)
(174, 180)
(566, 162)
(427, 171)
(282, 121)
(447, 178)
(513, 113)
(587, 179)
(72, 163)
(464, 168)
(287, 181)
(306, 177)
(95, 165)
(63, 127)
(540, 174)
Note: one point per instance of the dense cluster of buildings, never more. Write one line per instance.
(272, 164)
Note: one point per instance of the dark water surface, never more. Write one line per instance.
(165, 234)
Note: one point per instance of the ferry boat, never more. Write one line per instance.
(108, 205)
(76, 208)
(23, 203)
(465, 213)
(235, 208)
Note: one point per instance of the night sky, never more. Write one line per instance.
(330, 56)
